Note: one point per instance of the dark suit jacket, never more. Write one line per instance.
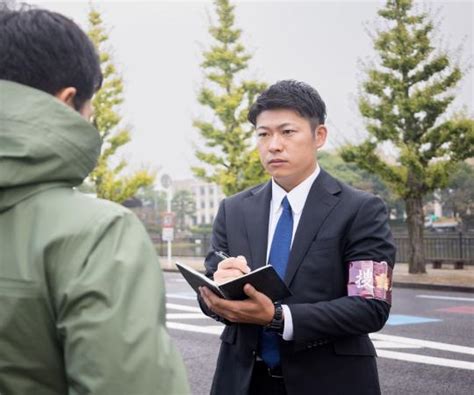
(331, 352)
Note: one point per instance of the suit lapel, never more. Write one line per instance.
(256, 213)
(320, 202)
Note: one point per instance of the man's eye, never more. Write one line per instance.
(288, 131)
(262, 134)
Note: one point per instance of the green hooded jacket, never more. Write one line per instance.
(82, 302)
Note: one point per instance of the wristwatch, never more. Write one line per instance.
(276, 324)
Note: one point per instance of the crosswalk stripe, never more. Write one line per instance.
(186, 316)
(173, 306)
(381, 341)
(185, 296)
(423, 343)
(403, 356)
(209, 329)
(459, 299)
(382, 344)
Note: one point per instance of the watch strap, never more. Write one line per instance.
(276, 324)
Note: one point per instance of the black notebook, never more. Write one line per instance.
(264, 279)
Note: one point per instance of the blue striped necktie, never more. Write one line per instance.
(278, 258)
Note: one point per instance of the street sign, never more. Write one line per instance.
(166, 181)
(168, 219)
(168, 234)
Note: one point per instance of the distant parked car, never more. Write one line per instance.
(444, 227)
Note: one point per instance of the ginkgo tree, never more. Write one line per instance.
(108, 178)
(404, 100)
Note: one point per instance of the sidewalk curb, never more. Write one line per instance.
(434, 287)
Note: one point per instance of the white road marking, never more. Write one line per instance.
(186, 316)
(423, 343)
(213, 330)
(381, 341)
(403, 356)
(186, 296)
(379, 344)
(458, 299)
(181, 307)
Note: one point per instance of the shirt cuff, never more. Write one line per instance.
(287, 323)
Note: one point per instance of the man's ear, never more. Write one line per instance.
(321, 134)
(67, 95)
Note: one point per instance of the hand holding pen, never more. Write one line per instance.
(230, 267)
(221, 254)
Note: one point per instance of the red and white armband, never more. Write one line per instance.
(370, 279)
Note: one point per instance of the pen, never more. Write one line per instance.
(221, 255)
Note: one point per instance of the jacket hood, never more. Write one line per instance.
(42, 142)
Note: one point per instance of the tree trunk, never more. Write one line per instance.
(416, 222)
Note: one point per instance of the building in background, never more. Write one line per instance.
(207, 197)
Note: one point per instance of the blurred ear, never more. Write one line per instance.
(321, 134)
(67, 95)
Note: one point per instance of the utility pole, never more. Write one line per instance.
(168, 218)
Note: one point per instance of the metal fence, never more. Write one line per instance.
(188, 247)
(448, 247)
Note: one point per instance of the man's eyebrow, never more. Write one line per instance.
(285, 125)
(281, 126)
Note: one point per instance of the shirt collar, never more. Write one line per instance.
(297, 196)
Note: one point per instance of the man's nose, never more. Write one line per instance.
(276, 143)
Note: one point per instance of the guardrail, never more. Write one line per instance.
(456, 247)
(190, 246)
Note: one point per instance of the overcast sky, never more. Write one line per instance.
(157, 46)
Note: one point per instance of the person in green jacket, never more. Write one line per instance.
(82, 302)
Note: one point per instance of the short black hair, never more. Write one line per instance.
(293, 95)
(47, 51)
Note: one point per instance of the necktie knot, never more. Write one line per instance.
(286, 204)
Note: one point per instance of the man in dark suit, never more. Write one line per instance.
(329, 242)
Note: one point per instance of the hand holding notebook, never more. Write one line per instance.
(264, 279)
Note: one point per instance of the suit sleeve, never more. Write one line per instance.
(368, 238)
(111, 316)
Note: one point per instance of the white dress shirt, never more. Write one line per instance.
(297, 198)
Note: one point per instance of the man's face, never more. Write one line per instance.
(287, 147)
